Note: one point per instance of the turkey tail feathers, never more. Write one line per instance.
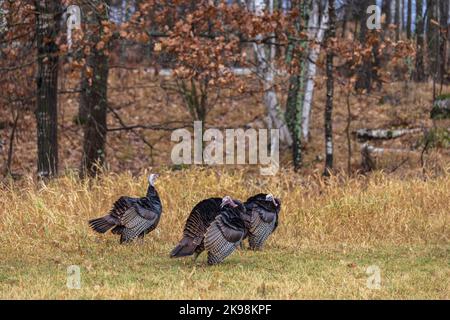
(100, 225)
(186, 247)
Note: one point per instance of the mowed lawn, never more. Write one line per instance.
(330, 234)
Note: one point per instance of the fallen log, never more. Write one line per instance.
(368, 163)
(383, 134)
(371, 149)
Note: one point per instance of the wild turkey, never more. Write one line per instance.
(132, 217)
(194, 231)
(216, 225)
(263, 209)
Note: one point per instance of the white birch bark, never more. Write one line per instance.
(3, 21)
(267, 73)
(393, 12)
(115, 14)
(372, 134)
(73, 21)
(371, 149)
(316, 34)
(285, 5)
(123, 16)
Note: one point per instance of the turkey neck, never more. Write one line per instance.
(152, 199)
(151, 192)
(267, 205)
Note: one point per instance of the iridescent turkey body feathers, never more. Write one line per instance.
(131, 217)
(214, 227)
(264, 210)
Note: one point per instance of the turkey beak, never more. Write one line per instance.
(152, 178)
(227, 200)
(272, 198)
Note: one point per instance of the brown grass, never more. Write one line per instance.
(330, 232)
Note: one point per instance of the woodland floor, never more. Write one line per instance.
(139, 98)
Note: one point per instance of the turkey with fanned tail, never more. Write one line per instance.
(263, 209)
(215, 225)
(132, 217)
(194, 231)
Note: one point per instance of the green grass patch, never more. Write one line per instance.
(144, 271)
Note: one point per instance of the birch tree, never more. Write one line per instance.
(301, 84)
(266, 72)
(419, 74)
(315, 36)
(294, 102)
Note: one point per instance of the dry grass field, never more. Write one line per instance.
(330, 233)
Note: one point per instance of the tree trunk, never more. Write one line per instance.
(315, 34)
(347, 133)
(94, 99)
(285, 6)
(386, 10)
(391, 11)
(8, 169)
(402, 15)
(294, 103)
(331, 33)
(377, 58)
(432, 37)
(448, 38)
(365, 71)
(443, 8)
(47, 28)
(345, 20)
(419, 74)
(266, 71)
(293, 115)
(398, 16)
(409, 20)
